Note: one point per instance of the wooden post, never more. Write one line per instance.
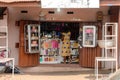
(118, 37)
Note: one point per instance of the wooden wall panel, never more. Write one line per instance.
(114, 12)
(115, 17)
(24, 58)
(87, 55)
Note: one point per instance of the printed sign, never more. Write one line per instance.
(70, 3)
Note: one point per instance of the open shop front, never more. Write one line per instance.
(49, 41)
(83, 39)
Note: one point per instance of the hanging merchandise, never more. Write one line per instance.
(54, 43)
(46, 44)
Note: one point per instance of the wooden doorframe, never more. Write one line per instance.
(26, 59)
(118, 36)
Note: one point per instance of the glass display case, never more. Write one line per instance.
(89, 36)
(32, 38)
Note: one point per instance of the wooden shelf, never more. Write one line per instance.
(114, 48)
(49, 62)
(26, 58)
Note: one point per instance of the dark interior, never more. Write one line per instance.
(73, 27)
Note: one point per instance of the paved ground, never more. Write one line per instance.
(46, 77)
(43, 72)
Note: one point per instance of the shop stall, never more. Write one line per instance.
(41, 42)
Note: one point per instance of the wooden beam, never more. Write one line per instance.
(109, 2)
(21, 4)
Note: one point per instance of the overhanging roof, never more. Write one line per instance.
(32, 3)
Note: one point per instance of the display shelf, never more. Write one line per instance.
(110, 33)
(49, 59)
(49, 55)
(34, 31)
(50, 51)
(34, 45)
(32, 38)
(48, 62)
(4, 41)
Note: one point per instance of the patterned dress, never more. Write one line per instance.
(66, 44)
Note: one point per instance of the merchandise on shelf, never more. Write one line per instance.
(74, 51)
(32, 32)
(34, 29)
(50, 49)
(46, 44)
(89, 36)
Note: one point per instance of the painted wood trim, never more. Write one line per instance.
(109, 2)
(119, 38)
(25, 59)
